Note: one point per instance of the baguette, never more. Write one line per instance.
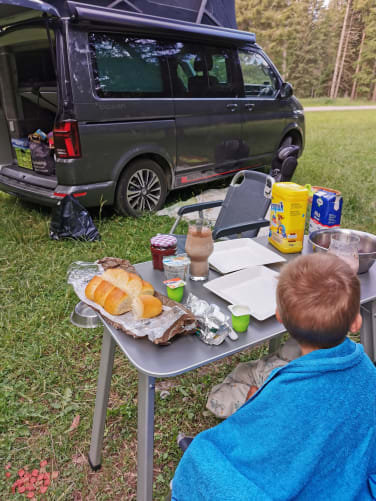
(117, 302)
(146, 306)
(91, 286)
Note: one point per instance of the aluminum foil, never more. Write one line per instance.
(213, 324)
(80, 273)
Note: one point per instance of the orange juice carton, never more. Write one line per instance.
(287, 216)
(326, 210)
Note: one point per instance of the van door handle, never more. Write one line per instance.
(231, 106)
(249, 106)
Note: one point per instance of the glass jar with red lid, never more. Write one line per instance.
(162, 245)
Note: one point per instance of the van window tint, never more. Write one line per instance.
(128, 66)
(202, 71)
(258, 77)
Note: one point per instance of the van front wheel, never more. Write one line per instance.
(142, 188)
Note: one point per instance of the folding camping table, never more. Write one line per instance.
(187, 353)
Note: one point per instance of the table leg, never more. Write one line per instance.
(145, 437)
(275, 343)
(368, 330)
(101, 400)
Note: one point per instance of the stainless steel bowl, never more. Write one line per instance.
(84, 316)
(320, 241)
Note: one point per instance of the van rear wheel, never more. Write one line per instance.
(141, 188)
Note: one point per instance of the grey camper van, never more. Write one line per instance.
(139, 105)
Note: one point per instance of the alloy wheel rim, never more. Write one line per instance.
(144, 190)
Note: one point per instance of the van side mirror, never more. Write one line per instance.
(286, 90)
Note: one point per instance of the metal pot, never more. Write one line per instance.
(84, 316)
(320, 241)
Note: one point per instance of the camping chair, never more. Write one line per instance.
(242, 211)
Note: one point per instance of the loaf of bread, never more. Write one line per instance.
(134, 284)
(117, 277)
(146, 306)
(118, 302)
(146, 289)
(117, 291)
(102, 291)
(91, 286)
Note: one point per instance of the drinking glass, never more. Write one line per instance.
(345, 246)
(199, 246)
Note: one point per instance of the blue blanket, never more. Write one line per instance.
(307, 434)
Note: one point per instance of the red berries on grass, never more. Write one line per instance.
(34, 483)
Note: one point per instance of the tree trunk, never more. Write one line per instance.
(284, 62)
(339, 51)
(355, 83)
(343, 57)
(374, 85)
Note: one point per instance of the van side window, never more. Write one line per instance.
(258, 77)
(128, 66)
(202, 71)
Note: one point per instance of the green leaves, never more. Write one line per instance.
(302, 38)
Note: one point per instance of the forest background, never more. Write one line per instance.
(323, 48)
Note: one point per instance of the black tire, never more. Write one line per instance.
(141, 188)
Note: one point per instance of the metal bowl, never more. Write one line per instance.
(320, 241)
(84, 316)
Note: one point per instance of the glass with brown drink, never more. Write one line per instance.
(199, 246)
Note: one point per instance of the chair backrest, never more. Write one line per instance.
(248, 199)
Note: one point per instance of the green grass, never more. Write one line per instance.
(340, 153)
(340, 101)
(49, 368)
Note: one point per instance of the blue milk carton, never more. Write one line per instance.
(326, 210)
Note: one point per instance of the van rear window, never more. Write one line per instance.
(126, 66)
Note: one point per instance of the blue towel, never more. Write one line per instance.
(308, 434)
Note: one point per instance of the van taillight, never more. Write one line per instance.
(67, 139)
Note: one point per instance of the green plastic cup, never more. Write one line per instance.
(176, 294)
(240, 317)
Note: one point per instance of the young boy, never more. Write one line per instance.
(309, 432)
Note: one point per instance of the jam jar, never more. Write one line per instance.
(162, 245)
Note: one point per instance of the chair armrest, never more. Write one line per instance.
(239, 228)
(186, 209)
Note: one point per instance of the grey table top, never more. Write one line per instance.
(186, 353)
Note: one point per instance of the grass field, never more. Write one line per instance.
(49, 367)
(340, 101)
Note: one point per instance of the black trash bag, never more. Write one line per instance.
(285, 163)
(71, 220)
(42, 158)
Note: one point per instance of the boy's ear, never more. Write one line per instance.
(357, 323)
(278, 315)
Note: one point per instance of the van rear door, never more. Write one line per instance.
(24, 10)
(6, 156)
(28, 94)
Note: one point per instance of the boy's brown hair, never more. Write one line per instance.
(318, 298)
